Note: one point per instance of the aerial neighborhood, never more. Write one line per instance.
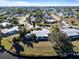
(40, 31)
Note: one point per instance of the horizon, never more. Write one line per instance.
(9, 3)
(39, 6)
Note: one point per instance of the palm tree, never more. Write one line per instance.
(1, 36)
(34, 37)
(23, 31)
(39, 15)
(60, 41)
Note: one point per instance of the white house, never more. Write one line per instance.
(27, 15)
(4, 24)
(49, 19)
(66, 14)
(11, 31)
(32, 19)
(41, 34)
(71, 32)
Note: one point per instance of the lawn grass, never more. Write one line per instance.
(39, 49)
(73, 19)
(6, 41)
(76, 46)
(68, 20)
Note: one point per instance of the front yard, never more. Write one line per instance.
(39, 49)
(76, 46)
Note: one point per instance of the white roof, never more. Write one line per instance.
(70, 31)
(43, 32)
(5, 23)
(65, 23)
(9, 30)
(50, 20)
(32, 18)
(27, 15)
(60, 14)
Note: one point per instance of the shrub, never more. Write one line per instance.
(38, 29)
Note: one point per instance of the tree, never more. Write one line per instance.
(23, 31)
(72, 22)
(2, 18)
(33, 24)
(34, 37)
(18, 47)
(39, 15)
(19, 10)
(14, 20)
(1, 36)
(60, 41)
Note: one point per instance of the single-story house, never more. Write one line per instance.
(49, 19)
(11, 31)
(71, 32)
(66, 14)
(5, 24)
(41, 35)
(27, 15)
(32, 19)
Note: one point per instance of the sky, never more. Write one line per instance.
(39, 2)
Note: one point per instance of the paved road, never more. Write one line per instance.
(63, 22)
(5, 55)
(22, 20)
(54, 16)
(67, 25)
